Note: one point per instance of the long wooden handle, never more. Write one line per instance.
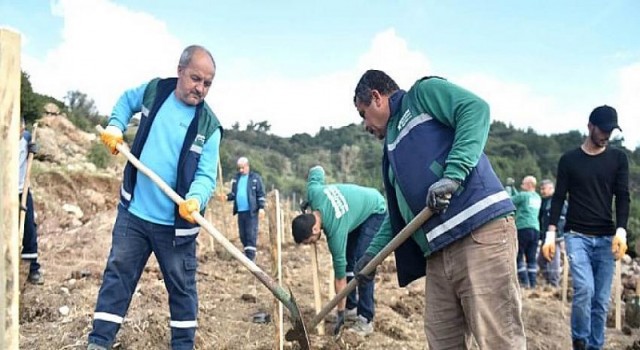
(276, 289)
(402, 236)
(618, 295)
(316, 285)
(565, 277)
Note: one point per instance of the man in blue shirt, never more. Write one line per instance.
(247, 194)
(178, 139)
(30, 234)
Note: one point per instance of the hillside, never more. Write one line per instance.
(75, 203)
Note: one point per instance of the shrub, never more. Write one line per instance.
(99, 155)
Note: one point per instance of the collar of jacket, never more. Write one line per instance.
(395, 101)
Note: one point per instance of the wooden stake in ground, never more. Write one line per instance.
(618, 294)
(316, 287)
(565, 278)
(275, 233)
(9, 216)
(332, 277)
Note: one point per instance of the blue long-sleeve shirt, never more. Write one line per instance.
(161, 153)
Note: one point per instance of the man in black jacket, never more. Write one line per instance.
(247, 192)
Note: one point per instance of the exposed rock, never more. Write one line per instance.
(73, 209)
(51, 109)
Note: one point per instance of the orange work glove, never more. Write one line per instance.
(549, 246)
(187, 207)
(619, 244)
(112, 136)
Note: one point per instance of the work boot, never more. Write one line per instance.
(362, 327)
(35, 277)
(96, 347)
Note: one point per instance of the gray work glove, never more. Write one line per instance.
(360, 264)
(339, 323)
(439, 194)
(510, 181)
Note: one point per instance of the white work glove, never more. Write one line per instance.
(619, 244)
(549, 245)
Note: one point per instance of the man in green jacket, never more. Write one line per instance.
(527, 204)
(349, 215)
(434, 136)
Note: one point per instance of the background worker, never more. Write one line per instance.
(527, 204)
(350, 215)
(247, 194)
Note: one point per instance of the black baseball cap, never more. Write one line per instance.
(605, 118)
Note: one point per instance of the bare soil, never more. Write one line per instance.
(73, 252)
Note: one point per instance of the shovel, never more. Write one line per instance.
(297, 331)
(285, 297)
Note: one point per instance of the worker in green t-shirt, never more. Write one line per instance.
(527, 204)
(350, 215)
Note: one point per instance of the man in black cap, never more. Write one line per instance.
(592, 175)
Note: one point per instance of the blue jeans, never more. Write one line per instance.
(133, 241)
(527, 248)
(592, 266)
(248, 227)
(357, 244)
(30, 236)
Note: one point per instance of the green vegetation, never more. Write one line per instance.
(32, 103)
(82, 112)
(348, 153)
(77, 106)
(99, 155)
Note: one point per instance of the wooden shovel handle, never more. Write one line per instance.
(279, 292)
(402, 236)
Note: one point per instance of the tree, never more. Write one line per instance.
(82, 110)
(262, 127)
(29, 106)
(32, 103)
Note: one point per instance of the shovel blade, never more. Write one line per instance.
(299, 334)
(299, 331)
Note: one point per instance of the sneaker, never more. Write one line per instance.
(362, 327)
(351, 315)
(95, 347)
(35, 277)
